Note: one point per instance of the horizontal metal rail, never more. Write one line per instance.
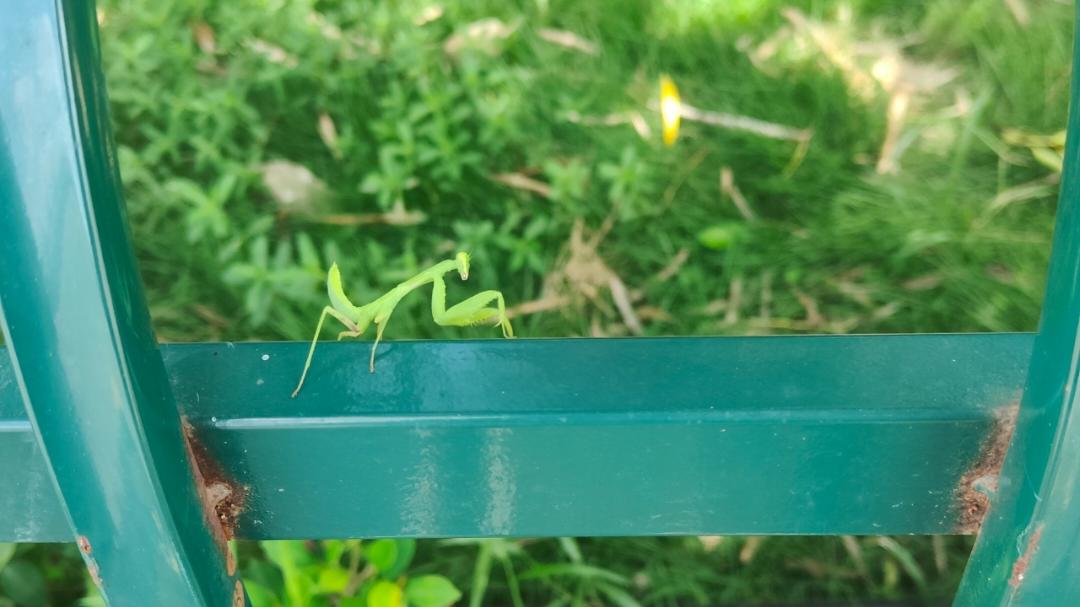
(752, 435)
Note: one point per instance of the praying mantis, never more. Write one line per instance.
(473, 311)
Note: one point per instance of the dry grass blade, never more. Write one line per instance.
(814, 317)
(622, 302)
(854, 550)
(396, 216)
(328, 134)
(634, 119)
(830, 47)
(888, 161)
(855, 292)
(765, 308)
(923, 283)
(712, 308)
(522, 182)
(710, 542)
(653, 313)
(480, 34)
(211, 316)
(333, 32)
(568, 40)
(941, 554)
(728, 187)
(544, 304)
(1038, 188)
(750, 547)
(1020, 11)
(746, 124)
(672, 268)
(734, 301)
(430, 13)
(272, 53)
(684, 173)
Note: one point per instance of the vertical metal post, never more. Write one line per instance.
(77, 325)
(1027, 553)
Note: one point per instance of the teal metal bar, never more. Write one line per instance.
(1027, 551)
(75, 320)
(823, 435)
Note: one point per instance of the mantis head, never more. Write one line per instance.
(462, 260)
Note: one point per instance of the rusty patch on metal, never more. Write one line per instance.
(83, 543)
(979, 484)
(222, 499)
(1020, 567)
(95, 572)
(238, 595)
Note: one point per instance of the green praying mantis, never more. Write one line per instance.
(473, 311)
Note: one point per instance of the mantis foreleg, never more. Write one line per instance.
(472, 311)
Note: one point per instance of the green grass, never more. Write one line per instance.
(205, 93)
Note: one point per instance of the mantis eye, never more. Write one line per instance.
(462, 260)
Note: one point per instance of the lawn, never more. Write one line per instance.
(846, 167)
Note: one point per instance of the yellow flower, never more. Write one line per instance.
(670, 109)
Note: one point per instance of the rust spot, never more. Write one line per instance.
(230, 562)
(83, 543)
(979, 484)
(238, 595)
(222, 499)
(95, 573)
(1020, 567)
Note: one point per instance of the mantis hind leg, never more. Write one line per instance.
(353, 329)
(378, 337)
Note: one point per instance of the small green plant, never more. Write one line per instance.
(345, 573)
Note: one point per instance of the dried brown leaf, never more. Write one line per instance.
(272, 53)
(293, 186)
(204, 37)
(750, 547)
(328, 134)
(430, 13)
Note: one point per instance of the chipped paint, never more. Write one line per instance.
(222, 499)
(238, 595)
(979, 484)
(1020, 567)
(87, 551)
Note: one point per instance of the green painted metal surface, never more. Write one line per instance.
(1027, 553)
(852, 434)
(81, 348)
